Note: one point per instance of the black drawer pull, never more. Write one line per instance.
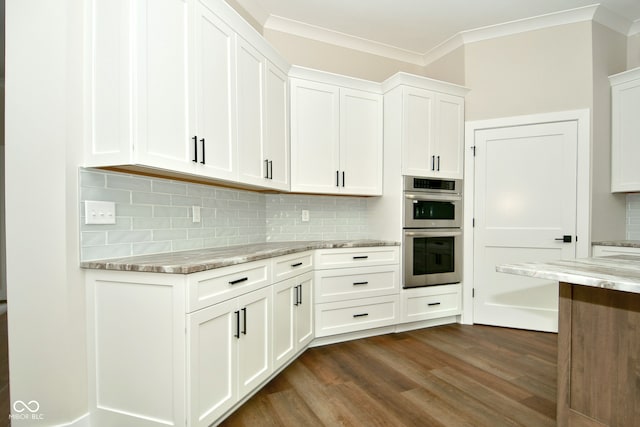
(361, 257)
(433, 303)
(244, 315)
(361, 315)
(234, 282)
(360, 283)
(297, 264)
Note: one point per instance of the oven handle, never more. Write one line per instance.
(434, 233)
(443, 197)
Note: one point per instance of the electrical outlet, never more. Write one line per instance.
(195, 210)
(99, 212)
(305, 215)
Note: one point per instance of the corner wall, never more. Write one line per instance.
(46, 313)
(633, 51)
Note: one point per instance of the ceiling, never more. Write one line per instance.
(419, 26)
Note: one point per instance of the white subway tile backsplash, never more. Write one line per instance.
(153, 215)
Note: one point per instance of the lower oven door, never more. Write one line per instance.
(432, 257)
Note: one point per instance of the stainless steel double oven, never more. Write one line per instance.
(432, 235)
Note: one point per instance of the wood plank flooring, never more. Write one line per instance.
(453, 375)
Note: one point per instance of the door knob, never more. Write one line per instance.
(566, 239)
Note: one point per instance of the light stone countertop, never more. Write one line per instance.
(619, 243)
(186, 262)
(618, 272)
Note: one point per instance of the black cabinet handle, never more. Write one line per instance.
(360, 283)
(244, 315)
(233, 282)
(431, 304)
(203, 158)
(361, 257)
(297, 264)
(237, 334)
(266, 168)
(343, 178)
(296, 298)
(195, 148)
(565, 239)
(438, 164)
(337, 178)
(361, 315)
(300, 295)
(270, 169)
(433, 163)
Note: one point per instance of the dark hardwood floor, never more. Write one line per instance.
(452, 375)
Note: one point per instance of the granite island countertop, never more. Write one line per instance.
(619, 272)
(187, 262)
(618, 243)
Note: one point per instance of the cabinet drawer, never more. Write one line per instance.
(356, 257)
(350, 283)
(430, 302)
(350, 316)
(288, 266)
(210, 287)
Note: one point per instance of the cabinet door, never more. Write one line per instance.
(163, 95)
(249, 88)
(449, 139)
(304, 311)
(214, 64)
(360, 142)
(418, 157)
(212, 355)
(315, 137)
(625, 136)
(277, 127)
(254, 345)
(284, 303)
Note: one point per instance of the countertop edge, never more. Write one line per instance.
(218, 259)
(584, 272)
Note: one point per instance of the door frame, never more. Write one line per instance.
(583, 192)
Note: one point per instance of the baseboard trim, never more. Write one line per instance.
(82, 421)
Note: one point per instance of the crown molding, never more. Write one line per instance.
(301, 29)
(594, 12)
(255, 9)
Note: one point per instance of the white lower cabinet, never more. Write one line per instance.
(186, 349)
(431, 302)
(292, 317)
(229, 354)
(356, 289)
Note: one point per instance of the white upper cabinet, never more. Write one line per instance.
(212, 143)
(360, 142)
(315, 137)
(625, 131)
(429, 123)
(263, 140)
(181, 86)
(336, 137)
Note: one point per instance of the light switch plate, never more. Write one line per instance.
(96, 212)
(305, 215)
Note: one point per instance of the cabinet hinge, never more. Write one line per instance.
(474, 150)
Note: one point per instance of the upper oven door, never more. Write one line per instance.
(425, 210)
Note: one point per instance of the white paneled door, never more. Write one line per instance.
(525, 205)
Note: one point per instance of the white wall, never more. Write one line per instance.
(336, 59)
(45, 285)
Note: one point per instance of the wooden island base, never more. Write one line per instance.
(598, 357)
